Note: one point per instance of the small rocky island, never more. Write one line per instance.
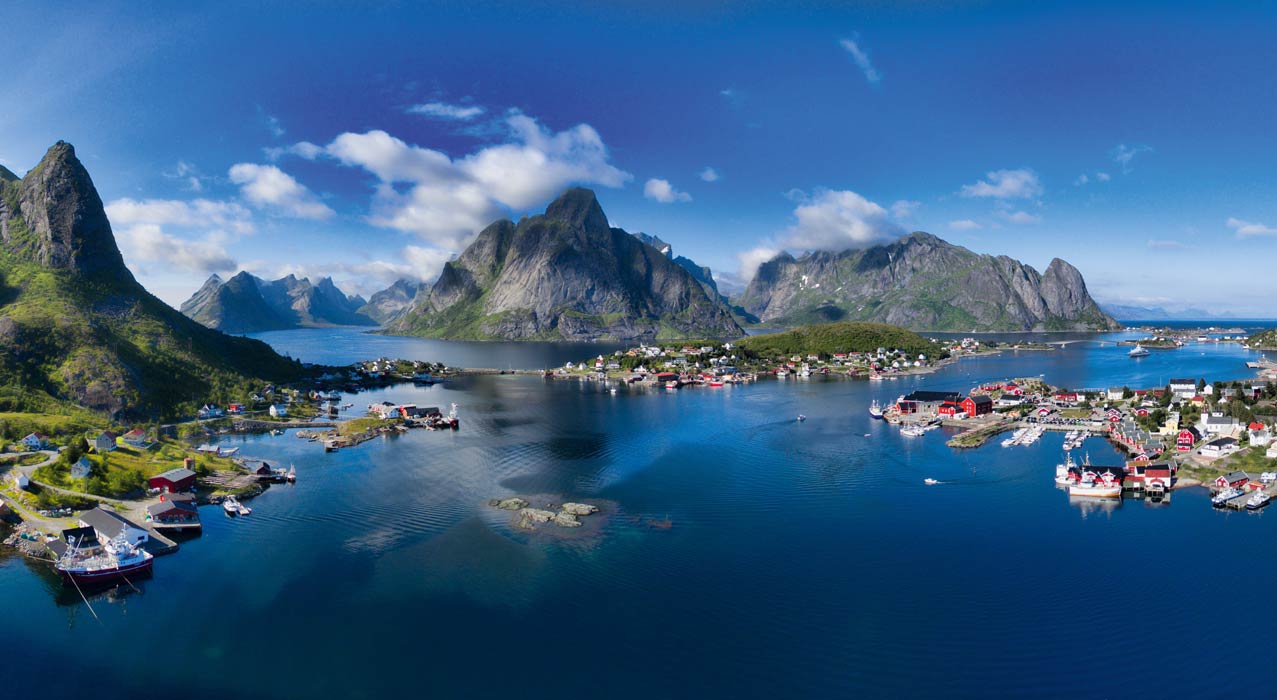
(566, 515)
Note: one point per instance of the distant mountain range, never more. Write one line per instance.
(1157, 313)
(386, 305)
(567, 274)
(77, 329)
(923, 283)
(247, 304)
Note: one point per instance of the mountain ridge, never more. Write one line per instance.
(247, 304)
(921, 282)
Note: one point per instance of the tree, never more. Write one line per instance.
(1127, 393)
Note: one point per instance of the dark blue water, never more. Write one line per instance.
(740, 553)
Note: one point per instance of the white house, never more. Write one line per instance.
(35, 441)
(1114, 393)
(1259, 434)
(1219, 447)
(82, 468)
(1216, 423)
(210, 411)
(1271, 453)
(21, 481)
(104, 442)
(278, 410)
(1183, 388)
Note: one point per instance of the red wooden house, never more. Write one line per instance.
(174, 480)
(977, 405)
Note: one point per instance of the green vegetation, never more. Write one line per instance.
(843, 337)
(124, 472)
(362, 425)
(1266, 340)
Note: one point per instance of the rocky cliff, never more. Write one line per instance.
(248, 304)
(77, 328)
(565, 274)
(385, 305)
(922, 282)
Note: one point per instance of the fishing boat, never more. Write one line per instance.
(875, 409)
(232, 506)
(1064, 471)
(1228, 494)
(1259, 500)
(292, 474)
(1138, 351)
(930, 482)
(1094, 485)
(83, 564)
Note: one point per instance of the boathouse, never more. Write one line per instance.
(174, 480)
(926, 401)
(977, 405)
(177, 514)
(108, 525)
(1186, 439)
(1234, 480)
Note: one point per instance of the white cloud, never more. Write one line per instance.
(228, 216)
(149, 243)
(442, 110)
(269, 187)
(1247, 229)
(1081, 180)
(1020, 217)
(862, 60)
(302, 149)
(662, 191)
(751, 259)
(275, 127)
(1123, 155)
(1103, 177)
(964, 225)
(902, 209)
(363, 277)
(709, 174)
(1021, 183)
(449, 201)
(837, 220)
(142, 230)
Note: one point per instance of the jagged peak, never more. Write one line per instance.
(579, 206)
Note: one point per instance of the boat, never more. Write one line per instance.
(716, 382)
(930, 482)
(117, 561)
(232, 506)
(292, 474)
(913, 431)
(1259, 500)
(1138, 351)
(801, 418)
(875, 409)
(1094, 485)
(1228, 494)
(671, 384)
(1064, 471)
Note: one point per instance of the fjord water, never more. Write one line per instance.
(740, 553)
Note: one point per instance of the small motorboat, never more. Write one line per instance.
(292, 474)
(801, 418)
(930, 482)
(1259, 500)
(1138, 351)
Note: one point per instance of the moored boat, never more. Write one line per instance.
(1138, 351)
(875, 409)
(118, 560)
(1228, 494)
(1093, 485)
(1257, 501)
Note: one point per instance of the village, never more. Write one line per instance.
(78, 493)
(1187, 433)
(673, 366)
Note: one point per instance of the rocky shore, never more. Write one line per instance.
(566, 515)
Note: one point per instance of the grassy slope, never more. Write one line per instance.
(827, 339)
(66, 340)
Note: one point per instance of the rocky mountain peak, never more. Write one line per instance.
(579, 207)
(66, 224)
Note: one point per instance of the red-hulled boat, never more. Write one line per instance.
(116, 561)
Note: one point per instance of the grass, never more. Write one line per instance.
(360, 425)
(123, 472)
(847, 336)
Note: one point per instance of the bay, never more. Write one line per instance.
(740, 553)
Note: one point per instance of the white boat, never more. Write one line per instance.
(1224, 496)
(801, 418)
(1259, 500)
(1095, 485)
(930, 482)
(292, 474)
(1063, 471)
(232, 506)
(913, 430)
(875, 409)
(1138, 351)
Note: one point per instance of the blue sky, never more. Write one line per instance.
(367, 144)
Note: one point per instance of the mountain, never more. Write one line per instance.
(565, 274)
(77, 328)
(699, 273)
(923, 283)
(385, 305)
(248, 304)
(1142, 313)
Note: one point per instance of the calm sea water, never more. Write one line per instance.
(740, 553)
